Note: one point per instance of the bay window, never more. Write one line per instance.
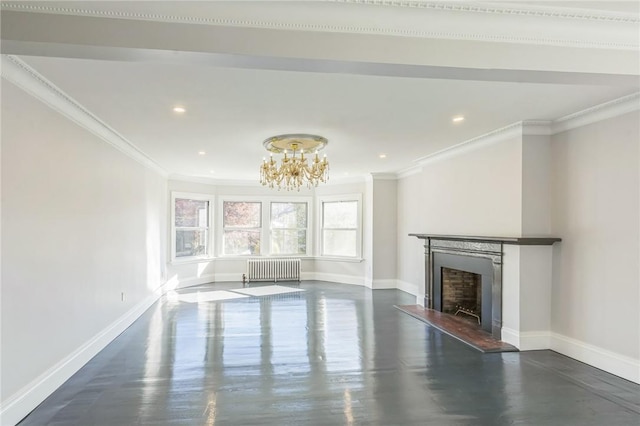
(191, 225)
(340, 227)
(289, 228)
(242, 227)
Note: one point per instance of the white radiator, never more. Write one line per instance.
(273, 269)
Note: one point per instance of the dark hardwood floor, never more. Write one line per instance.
(331, 355)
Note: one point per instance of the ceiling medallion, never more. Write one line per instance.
(294, 171)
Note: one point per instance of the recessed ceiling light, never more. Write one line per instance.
(457, 119)
(202, 153)
(382, 155)
(212, 171)
(179, 109)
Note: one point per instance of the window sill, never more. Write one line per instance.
(340, 259)
(240, 258)
(258, 256)
(191, 260)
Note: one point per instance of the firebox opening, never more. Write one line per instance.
(462, 294)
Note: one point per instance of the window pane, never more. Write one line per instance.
(241, 214)
(289, 241)
(242, 242)
(192, 213)
(339, 243)
(191, 242)
(341, 214)
(288, 215)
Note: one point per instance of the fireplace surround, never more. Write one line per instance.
(456, 264)
(475, 254)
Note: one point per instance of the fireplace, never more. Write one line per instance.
(463, 285)
(462, 294)
(483, 256)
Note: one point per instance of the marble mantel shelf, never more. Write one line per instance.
(521, 241)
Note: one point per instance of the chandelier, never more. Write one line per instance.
(295, 170)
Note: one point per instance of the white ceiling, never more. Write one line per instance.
(249, 70)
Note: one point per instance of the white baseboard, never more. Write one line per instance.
(510, 336)
(611, 362)
(407, 287)
(383, 284)
(535, 340)
(18, 405)
(319, 276)
(339, 278)
(233, 277)
(527, 340)
(307, 276)
(204, 279)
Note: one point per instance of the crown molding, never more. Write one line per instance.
(409, 171)
(458, 13)
(503, 8)
(606, 110)
(510, 131)
(255, 183)
(384, 176)
(536, 127)
(28, 79)
(597, 113)
(213, 181)
(492, 8)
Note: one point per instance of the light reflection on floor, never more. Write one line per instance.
(332, 354)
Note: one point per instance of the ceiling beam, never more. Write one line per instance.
(40, 34)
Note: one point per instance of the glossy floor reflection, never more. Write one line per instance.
(330, 355)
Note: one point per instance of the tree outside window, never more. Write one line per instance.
(191, 227)
(242, 223)
(288, 228)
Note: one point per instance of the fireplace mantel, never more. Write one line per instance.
(521, 241)
(454, 249)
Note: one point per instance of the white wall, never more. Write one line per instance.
(526, 296)
(384, 232)
(410, 251)
(82, 224)
(536, 186)
(596, 290)
(476, 191)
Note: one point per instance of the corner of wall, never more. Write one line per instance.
(20, 404)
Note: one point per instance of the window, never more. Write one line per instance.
(191, 225)
(242, 227)
(288, 228)
(340, 228)
(264, 226)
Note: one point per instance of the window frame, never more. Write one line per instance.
(236, 228)
(265, 232)
(210, 245)
(321, 200)
(307, 229)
